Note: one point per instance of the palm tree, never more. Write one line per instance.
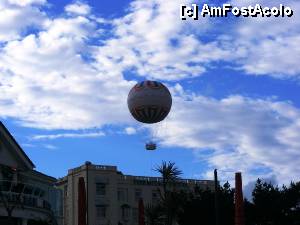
(169, 199)
(169, 173)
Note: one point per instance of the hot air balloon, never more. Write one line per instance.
(149, 102)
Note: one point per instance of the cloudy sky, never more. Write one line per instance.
(66, 68)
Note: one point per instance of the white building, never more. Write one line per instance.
(112, 196)
(25, 193)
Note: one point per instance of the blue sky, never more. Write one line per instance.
(66, 68)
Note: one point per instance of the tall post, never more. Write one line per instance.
(87, 191)
(216, 197)
(81, 202)
(141, 212)
(239, 201)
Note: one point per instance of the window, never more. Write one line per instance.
(37, 192)
(125, 212)
(101, 211)
(137, 194)
(28, 190)
(66, 190)
(18, 188)
(135, 214)
(155, 196)
(42, 194)
(100, 189)
(123, 194)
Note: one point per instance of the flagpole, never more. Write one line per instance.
(216, 197)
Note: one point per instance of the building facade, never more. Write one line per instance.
(26, 195)
(112, 197)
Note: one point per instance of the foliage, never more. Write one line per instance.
(169, 173)
(273, 205)
(270, 205)
(170, 199)
(154, 214)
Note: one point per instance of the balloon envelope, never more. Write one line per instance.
(149, 101)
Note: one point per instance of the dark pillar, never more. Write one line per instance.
(81, 202)
(141, 212)
(87, 193)
(217, 197)
(239, 200)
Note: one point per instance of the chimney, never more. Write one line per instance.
(239, 200)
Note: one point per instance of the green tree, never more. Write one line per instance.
(154, 214)
(268, 201)
(198, 208)
(273, 205)
(169, 198)
(291, 203)
(250, 216)
(226, 204)
(169, 173)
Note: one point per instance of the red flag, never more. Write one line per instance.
(141, 212)
(81, 202)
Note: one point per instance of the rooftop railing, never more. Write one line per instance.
(103, 167)
(159, 180)
(92, 166)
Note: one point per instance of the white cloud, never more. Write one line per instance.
(268, 46)
(27, 2)
(46, 83)
(178, 49)
(68, 135)
(27, 145)
(255, 136)
(50, 147)
(175, 49)
(15, 19)
(130, 130)
(154, 41)
(78, 8)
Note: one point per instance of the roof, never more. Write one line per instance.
(20, 150)
(53, 179)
